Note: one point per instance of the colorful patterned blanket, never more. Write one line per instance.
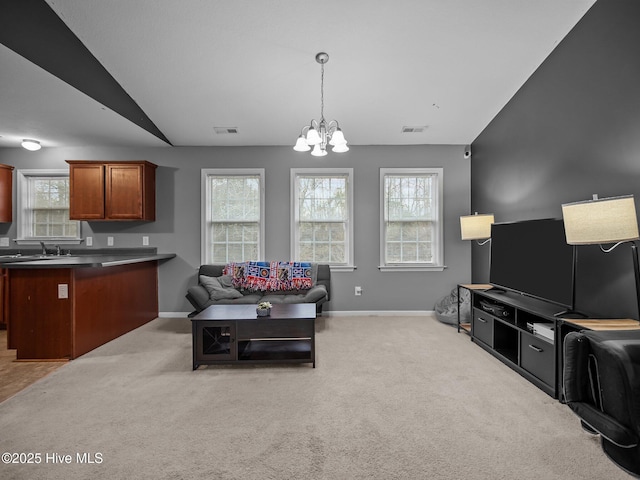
(271, 276)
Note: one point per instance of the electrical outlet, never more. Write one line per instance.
(89, 241)
(145, 240)
(4, 241)
(110, 241)
(358, 291)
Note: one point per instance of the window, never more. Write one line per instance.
(233, 210)
(43, 207)
(322, 212)
(411, 223)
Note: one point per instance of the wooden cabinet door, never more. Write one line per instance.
(6, 193)
(86, 187)
(3, 298)
(124, 192)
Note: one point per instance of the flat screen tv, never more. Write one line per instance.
(532, 257)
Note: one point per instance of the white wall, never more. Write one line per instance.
(177, 225)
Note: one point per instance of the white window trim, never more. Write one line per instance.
(22, 199)
(206, 205)
(438, 264)
(323, 172)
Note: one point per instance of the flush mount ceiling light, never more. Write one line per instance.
(31, 145)
(319, 134)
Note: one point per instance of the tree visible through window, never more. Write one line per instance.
(233, 227)
(43, 206)
(322, 215)
(49, 206)
(411, 227)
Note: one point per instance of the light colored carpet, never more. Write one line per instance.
(391, 398)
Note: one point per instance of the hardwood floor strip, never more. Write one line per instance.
(14, 375)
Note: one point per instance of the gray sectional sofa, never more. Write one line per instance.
(215, 289)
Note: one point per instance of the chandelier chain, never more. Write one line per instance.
(321, 91)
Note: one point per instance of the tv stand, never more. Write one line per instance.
(522, 336)
(571, 314)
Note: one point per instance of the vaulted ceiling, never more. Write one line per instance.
(169, 72)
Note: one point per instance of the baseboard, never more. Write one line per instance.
(378, 313)
(173, 314)
(338, 313)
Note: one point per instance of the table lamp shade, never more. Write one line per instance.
(476, 227)
(599, 221)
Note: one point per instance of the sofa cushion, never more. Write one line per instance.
(253, 299)
(216, 286)
(316, 294)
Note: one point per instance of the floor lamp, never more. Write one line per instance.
(476, 227)
(603, 221)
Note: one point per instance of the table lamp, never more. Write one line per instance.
(602, 221)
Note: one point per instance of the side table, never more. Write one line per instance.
(466, 325)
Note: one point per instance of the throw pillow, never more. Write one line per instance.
(216, 290)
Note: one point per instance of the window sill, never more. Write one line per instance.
(411, 268)
(49, 241)
(342, 268)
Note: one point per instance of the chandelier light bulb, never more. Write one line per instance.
(340, 148)
(318, 151)
(302, 145)
(312, 137)
(337, 139)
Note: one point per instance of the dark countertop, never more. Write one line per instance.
(79, 261)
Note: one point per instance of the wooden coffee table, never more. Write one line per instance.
(234, 334)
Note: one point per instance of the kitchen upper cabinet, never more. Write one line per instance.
(112, 190)
(6, 193)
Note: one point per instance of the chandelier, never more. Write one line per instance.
(319, 134)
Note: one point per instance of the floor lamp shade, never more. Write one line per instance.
(600, 221)
(476, 227)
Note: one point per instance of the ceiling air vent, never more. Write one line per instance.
(226, 130)
(418, 129)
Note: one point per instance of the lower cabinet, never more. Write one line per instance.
(520, 331)
(215, 342)
(537, 356)
(482, 327)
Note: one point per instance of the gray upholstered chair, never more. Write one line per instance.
(601, 381)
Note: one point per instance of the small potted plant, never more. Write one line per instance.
(264, 309)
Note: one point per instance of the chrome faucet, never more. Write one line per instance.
(44, 248)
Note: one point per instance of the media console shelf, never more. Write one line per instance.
(519, 331)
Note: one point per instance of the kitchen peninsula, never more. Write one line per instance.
(63, 306)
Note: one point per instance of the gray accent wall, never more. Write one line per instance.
(571, 131)
(177, 226)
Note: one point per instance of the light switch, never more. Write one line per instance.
(89, 241)
(63, 290)
(110, 241)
